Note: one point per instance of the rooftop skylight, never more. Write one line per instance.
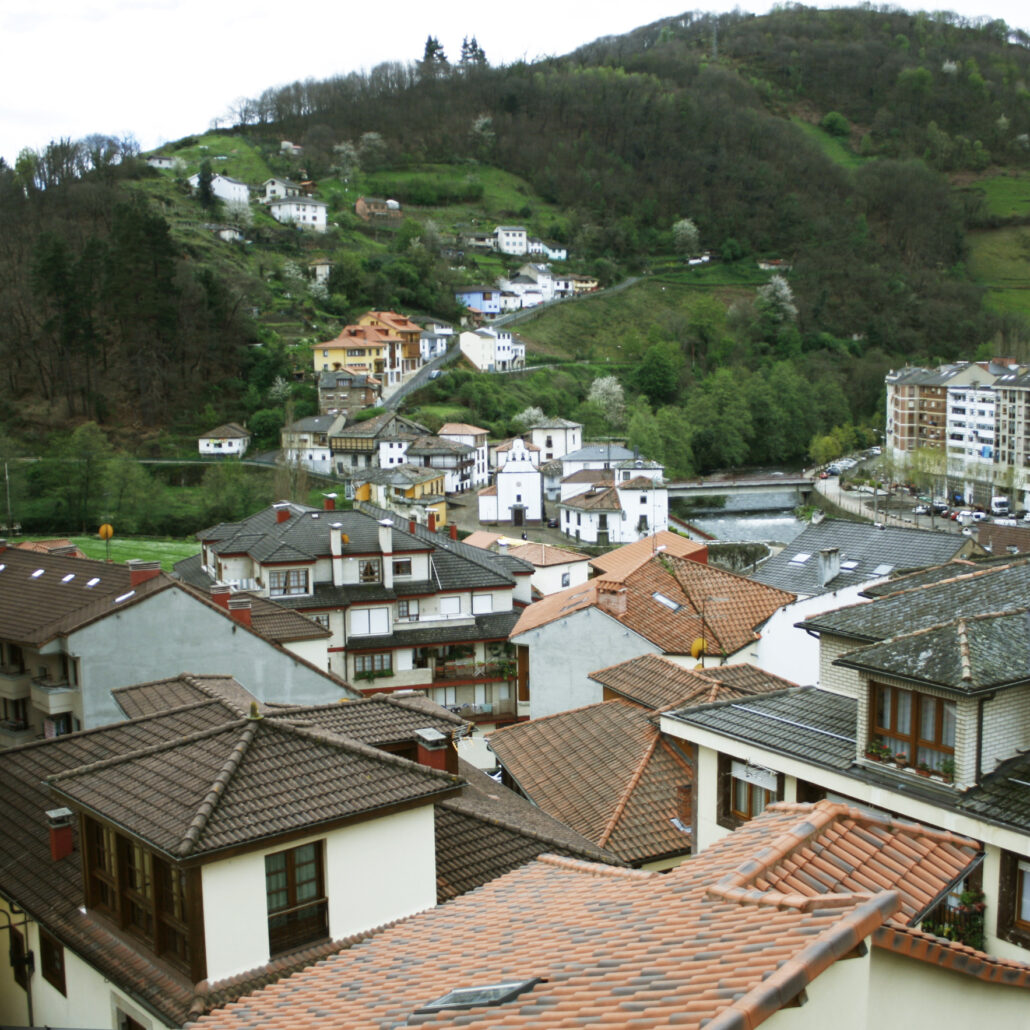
(667, 601)
(473, 997)
(800, 559)
(38, 573)
(124, 597)
(68, 578)
(882, 570)
(92, 582)
(848, 566)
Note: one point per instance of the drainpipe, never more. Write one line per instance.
(29, 961)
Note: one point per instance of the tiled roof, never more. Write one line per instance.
(482, 538)
(590, 476)
(619, 784)
(866, 553)
(803, 721)
(542, 555)
(496, 626)
(596, 499)
(640, 483)
(243, 782)
(664, 597)
(156, 696)
(388, 425)
(937, 573)
(656, 682)
(60, 546)
(921, 603)
(613, 948)
(599, 452)
(1003, 539)
(461, 429)
(45, 595)
(1002, 795)
(429, 444)
(554, 422)
(312, 424)
(488, 830)
(506, 445)
(400, 475)
(972, 655)
(231, 430)
(623, 560)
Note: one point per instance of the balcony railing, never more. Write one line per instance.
(474, 671)
(487, 711)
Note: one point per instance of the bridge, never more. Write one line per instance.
(761, 492)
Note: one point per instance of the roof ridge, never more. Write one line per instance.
(198, 683)
(748, 697)
(965, 658)
(957, 621)
(975, 573)
(579, 865)
(217, 789)
(567, 711)
(634, 780)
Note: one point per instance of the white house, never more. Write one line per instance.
(556, 568)
(235, 194)
(517, 494)
(492, 350)
(616, 513)
(511, 239)
(161, 161)
(276, 188)
(231, 439)
(303, 212)
(306, 442)
(476, 438)
(556, 437)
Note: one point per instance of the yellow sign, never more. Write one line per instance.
(106, 531)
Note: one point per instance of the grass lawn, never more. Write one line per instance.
(167, 552)
(1005, 196)
(836, 150)
(999, 259)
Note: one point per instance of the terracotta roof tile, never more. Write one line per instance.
(623, 560)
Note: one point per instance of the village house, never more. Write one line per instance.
(828, 566)
(303, 212)
(73, 629)
(306, 442)
(476, 438)
(407, 607)
(232, 192)
(376, 209)
(614, 513)
(409, 491)
(162, 161)
(556, 568)
(516, 495)
(346, 391)
(457, 461)
(492, 350)
(555, 437)
(275, 189)
(921, 711)
(807, 918)
(434, 340)
(511, 239)
(406, 357)
(659, 603)
(480, 300)
(363, 349)
(163, 867)
(228, 439)
(358, 445)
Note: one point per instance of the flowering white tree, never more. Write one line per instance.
(776, 301)
(528, 417)
(685, 237)
(607, 394)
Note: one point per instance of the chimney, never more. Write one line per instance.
(386, 549)
(435, 751)
(329, 502)
(220, 594)
(411, 526)
(431, 524)
(282, 511)
(829, 565)
(141, 571)
(62, 840)
(453, 527)
(336, 550)
(239, 609)
(611, 597)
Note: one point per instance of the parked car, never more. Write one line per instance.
(979, 516)
(875, 451)
(833, 470)
(921, 509)
(436, 373)
(552, 523)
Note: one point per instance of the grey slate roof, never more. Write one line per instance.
(937, 573)
(600, 452)
(1003, 796)
(970, 655)
(875, 552)
(488, 627)
(812, 724)
(312, 424)
(993, 588)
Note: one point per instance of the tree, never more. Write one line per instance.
(472, 54)
(434, 60)
(836, 124)
(685, 237)
(608, 396)
(657, 376)
(205, 194)
(527, 418)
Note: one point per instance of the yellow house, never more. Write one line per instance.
(359, 347)
(411, 491)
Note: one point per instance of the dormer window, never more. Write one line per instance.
(918, 726)
(283, 582)
(370, 570)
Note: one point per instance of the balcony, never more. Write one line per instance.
(14, 682)
(53, 696)
(489, 711)
(15, 731)
(471, 671)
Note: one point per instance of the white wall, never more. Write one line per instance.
(839, 998)
(375, 871)
(173, 632)
(548, 578)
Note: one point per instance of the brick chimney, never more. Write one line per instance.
(282, 511)
(329, 502)
(220, 594)
(141, 571)
(239, 609)
(611, 597)
(411, 526)
(62, 840)
(453, 527)
(435, 751)
(431, 522)
(829, 565)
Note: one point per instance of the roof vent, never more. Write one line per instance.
(38, 573)
(474, 997)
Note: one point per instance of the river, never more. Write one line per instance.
(754, 527)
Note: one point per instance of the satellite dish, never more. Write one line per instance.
(697, 648)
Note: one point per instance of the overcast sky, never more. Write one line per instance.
(162, 69)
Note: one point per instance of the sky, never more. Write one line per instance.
(163, 69)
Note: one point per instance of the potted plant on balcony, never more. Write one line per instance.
(923, 769)
(901, 759)
(877, 752)
(948, 770)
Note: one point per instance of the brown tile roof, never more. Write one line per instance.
(590, 476)
(62, 546)
(144, 699)
(46, 595)
(506, 445)
(229, 430)
(605, 498)
(542, 555)
(619, 785)
(623, 560)
(283, 625)
(461, 429)
(618, 948)
(243, 782)
(356, 336)
(658, 683)
(729, 622)
(481, 537)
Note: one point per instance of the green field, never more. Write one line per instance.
(167, 552)
(1005, 196)
(837, 151)
(999, 259)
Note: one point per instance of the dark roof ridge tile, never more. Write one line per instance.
(962, 576)
(750, 697)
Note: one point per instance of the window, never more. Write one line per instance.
(407, 611)
(1014, 899)
(745, 790)
(366, 663)
(566, 579)
(450, 605)
(915, 725)
(17, 956)
(322, 618)
(287, 581)
(482, 604)
(369, 570)
(297, 907)
(51, 960)
(402, 567)
(145, 895)
(15, 714)
(365, 621)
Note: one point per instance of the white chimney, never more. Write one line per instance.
(386, 549)
(336, 550)
(829, 565)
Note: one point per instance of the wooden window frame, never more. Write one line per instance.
(380, 661)
(19, 969)
(287, 582)
(370, 570)
(934, 751)
(726, 815)
(51, 961)
(1013, 876)
(315, 925)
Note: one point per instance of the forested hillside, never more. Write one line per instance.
(867, 150)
